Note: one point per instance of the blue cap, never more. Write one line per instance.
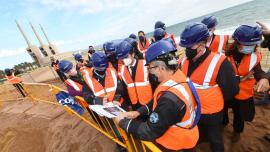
(193, 34)
(133, 36)
(130, 40)
(7, 71)
(159, 48)
(124, 48)
(210, 21)
(160, 24)
(109, 47)
(248, 35)
(77, 57)
(65, 66)
(159, 33)
(99, 61)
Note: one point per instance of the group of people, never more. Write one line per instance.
(177, 103)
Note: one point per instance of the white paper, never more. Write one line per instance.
(108, 110)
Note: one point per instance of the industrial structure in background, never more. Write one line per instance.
(43, 53)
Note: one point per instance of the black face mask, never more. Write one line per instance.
(142, 38)
(112, 57)
(100, 73)
(191, 53)
(157, 38)
(154, 78)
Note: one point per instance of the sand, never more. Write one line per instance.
(41, 127)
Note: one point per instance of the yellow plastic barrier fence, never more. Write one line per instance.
(42, 92)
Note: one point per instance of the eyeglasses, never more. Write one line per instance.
(149, 68)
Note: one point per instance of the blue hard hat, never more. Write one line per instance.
(160, 24)
(109, 47)
(7, 71)
(159, 48)
(133, 36)
(193, 34)
(159, 33)
(210, 21)
(124, 48)
(77, 57)
(248, 35)
(65, 66)
(99, 61)
(130, 40)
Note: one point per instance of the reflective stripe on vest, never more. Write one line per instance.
(180, 135)
(131, 83)
(180, 88)
(211, 69)
(253, 61)
(89, 81)
(219, 43)
(245, 71)
(204, 80)
(248, 62)
(139, 89)
(209, 73)
(75, 85)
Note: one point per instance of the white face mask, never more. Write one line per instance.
(72, 72)
(247, 49)
(127, 61)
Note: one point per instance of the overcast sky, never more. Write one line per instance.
(75, 24)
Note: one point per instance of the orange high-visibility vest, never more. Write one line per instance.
(179, 136)
(139, 90)
(245, 67)
(13, 79)
(142, 48)
(97, 89)
(219, 43)
(77, 86)
(204, 80)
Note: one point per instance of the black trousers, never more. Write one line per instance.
(211, 130)
(243, 110)
(19, 87)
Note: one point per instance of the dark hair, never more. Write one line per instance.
(141, 32)
(92, 50)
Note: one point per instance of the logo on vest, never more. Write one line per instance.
(153, 117)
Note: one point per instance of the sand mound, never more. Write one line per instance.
(41, 127)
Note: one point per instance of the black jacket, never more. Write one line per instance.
(169, 111)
